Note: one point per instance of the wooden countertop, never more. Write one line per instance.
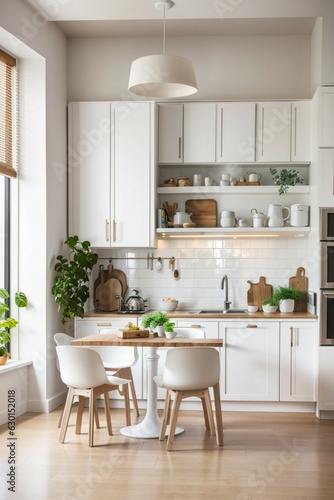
(190, 314)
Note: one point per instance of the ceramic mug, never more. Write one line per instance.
(208, 181)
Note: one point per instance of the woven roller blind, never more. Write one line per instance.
(7, 88)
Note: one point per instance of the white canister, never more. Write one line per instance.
(299, 215)
(259, 220)
(226, 177)
(208, 181)
(197, 180)
(227, 218)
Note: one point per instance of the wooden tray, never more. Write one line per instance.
(246, 183)
(258, 292)
(300, 282)
(130, 334)
(204, 212)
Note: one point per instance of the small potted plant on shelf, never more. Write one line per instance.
(156, 322)
(285, 178)
(286, 297)
(7, 323)
(269, 305)
(70, 285)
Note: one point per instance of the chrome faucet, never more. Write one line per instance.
(224, 286)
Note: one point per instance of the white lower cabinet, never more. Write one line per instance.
(326, 378)
(298, 361)
(93, 326)
(249, 361)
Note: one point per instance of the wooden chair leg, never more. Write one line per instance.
(127, 404)
(165, 417)
(91, 411)
(60, 418)
(107, 412)
(81, 406)
(127, 373)
(66, 415)
(208, 408)
(219, 417)
(173, 420)
(205, 413)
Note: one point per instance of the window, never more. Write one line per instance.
(7, 114)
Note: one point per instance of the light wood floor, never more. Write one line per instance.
(265, 456)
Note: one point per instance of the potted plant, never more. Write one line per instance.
(70, 285)
(269, 305)
(156, 321)
(285, 178)
(7, 323)
(286, 297)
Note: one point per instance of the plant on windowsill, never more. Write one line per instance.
(286, 297)
(285, 178)
(70, 286)
(157, 321)
(7, 323)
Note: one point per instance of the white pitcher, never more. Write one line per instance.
(276, 216)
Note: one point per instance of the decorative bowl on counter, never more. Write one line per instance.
(269, 309)
(169, 304)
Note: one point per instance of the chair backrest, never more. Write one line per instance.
(62, 339)
(80, 367)
(190, 368)
(190, 332)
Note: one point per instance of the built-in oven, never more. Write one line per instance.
(327, 276)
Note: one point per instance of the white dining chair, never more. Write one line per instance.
(190, 372)
(82, 370)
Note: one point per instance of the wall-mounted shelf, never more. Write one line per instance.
(234, 232)
(231, 190)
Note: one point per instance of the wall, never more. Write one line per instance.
(42, 52)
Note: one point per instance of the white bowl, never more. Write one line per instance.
(168, 305)
(252, 309)
(269, 309)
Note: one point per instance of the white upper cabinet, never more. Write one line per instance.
(111, 174)
(89, 171)
(326, 117)
(199, 143)
(301, 131)
(236, 132)
(170, 122)
(187, 133)
(273, 132)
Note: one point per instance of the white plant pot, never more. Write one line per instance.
(269, 309)
(287, 305)
(160, 330)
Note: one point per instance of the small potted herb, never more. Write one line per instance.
(270, 305)
(156, 321)
(7, 323)
(285, 178)
(286, 297)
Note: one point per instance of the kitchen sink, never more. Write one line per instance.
(222, 311)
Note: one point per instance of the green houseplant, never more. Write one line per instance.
(158, 321)
(286, 297)
(70, 285)
(270, 305)
(7, 323)
(285, 178)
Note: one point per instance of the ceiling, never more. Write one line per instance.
(134, 18)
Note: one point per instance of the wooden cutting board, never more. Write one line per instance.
(300, 282)
(120, 276)
(258, 292)
(204, 212)
(105, 295)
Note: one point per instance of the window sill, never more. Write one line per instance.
(14, 364)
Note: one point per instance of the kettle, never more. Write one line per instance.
(135, 302)
(276, 216)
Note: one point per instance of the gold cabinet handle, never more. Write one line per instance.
(107, 230)
(180, 147)
(291, 336)
(251, 326)
(104, 324)
(114, 230)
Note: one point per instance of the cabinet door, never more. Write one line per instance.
(297, 372)
(132, 219)
(301, 131)
(89, 171)
(325, 178)
(326, 120)
(199, 133)
(236, 132)
(273, 131)
(326, 377)
(170, 123)
(250, 361)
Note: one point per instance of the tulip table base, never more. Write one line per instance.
(149, 427)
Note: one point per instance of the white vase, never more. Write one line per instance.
(160, 330)
(287, 305)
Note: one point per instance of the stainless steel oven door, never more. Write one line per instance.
(327, 264)
(327, 317)
(327, 224)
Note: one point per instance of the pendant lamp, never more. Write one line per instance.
(163, 76)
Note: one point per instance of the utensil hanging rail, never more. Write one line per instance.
(149, 259)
